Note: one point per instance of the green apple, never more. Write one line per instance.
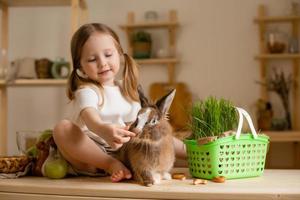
(56, 168)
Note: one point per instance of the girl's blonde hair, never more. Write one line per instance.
(130, 72)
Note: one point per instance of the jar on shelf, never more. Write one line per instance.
(151, 16)
(276, 41)
(293, 46)
(60, 68)
(141, 44)
(43, 68)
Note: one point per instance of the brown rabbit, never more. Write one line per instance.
(150, 155)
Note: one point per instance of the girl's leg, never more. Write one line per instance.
(180, 149)
(180, 152)
(84, 154)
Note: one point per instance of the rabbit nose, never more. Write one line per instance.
(142, 120)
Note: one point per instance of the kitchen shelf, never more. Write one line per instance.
(78, 16)
(278, 56)
(292, 137)
(171, 25)
(283, 136)
(150, 25)
(35, 82)
(31, 3)
(168, 27)
(157, 61)
(263, 58)
(277, 19)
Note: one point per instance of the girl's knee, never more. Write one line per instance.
(62, 128)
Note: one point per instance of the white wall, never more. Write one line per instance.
(217, 41)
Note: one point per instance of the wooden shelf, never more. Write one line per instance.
(170, 25)
(263, 21)
(36, 82)
(277, 19)
(264, 57)
(24, 3)
(79, 15)
(157, 61)
(283, 136)
(150, 25)
(278, 56)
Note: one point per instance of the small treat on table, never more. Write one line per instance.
(179, 176)
(219, 179)
(199, 181)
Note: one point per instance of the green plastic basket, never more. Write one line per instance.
(237, 156)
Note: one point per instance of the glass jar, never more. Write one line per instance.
(276, 41)
(151, 16)
(60, 68)
(26, 139)
(293, 45)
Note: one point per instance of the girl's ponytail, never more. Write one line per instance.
(72, 85)
(130, 78)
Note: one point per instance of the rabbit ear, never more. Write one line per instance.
(165, 102)
(144, 101)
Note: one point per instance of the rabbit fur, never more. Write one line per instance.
(150, 154)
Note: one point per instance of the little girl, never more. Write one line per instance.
(102, 106)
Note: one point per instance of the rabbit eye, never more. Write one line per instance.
(153, 121)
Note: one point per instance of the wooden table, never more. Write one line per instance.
(274, 184)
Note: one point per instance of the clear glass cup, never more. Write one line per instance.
(26, 139)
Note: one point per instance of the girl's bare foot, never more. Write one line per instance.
(118, 171)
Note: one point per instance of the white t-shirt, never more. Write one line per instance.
(115, 109)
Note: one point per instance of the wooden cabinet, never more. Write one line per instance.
(264, 57)
(171, 26)
(78, 15)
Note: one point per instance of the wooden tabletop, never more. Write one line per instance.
(274, 184)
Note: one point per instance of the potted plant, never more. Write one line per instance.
(212, 118)
(141, 43)
(214, 149)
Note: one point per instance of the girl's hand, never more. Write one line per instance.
(117, 136)
(113, 135)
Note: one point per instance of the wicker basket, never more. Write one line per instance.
(43, 68)
(13, 164)
(238, 156)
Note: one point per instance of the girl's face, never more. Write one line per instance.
(100, 59)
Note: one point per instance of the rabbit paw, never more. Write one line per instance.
(166, 176)
(156, 178)
(153, 179)
(145, 178)
(148, 182)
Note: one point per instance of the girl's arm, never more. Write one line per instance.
(113, 135)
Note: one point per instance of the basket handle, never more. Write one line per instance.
(243, 113)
